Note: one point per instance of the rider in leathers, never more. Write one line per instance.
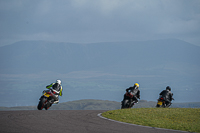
(134, 90)
(57, 90)
(167, 95)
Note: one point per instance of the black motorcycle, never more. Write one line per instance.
(162, 102)
(46, 100)
(128, 101)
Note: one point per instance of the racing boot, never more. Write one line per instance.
(56, 102)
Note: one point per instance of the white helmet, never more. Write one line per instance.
(58, 81)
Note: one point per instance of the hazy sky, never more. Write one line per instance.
(87, 21)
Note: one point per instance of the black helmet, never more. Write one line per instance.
(168, 88)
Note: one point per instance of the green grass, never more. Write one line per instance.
(185, 119)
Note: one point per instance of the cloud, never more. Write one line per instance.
(99, 20)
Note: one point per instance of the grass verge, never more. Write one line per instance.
(185, 119)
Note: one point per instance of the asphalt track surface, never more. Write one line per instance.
(66, 121)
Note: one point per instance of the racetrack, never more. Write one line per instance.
(66, 121)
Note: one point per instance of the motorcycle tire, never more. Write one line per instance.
(125, 104)
(157, 105)
(41, 103)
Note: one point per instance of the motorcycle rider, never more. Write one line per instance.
(167, 95)
(57, 90)
(134, 90)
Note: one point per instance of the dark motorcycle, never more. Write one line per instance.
(162, 102)
(46, 100)
(128, 101)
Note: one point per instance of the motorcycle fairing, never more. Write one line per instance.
(159, 103)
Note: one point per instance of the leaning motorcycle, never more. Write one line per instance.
(127, 101)
(162, 102)
(46, 100)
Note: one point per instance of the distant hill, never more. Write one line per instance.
(91, 104)
(88, 104)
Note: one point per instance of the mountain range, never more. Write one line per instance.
(99, 70)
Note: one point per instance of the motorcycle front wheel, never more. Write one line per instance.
(125, 104)
(157, 105)
(41, 103)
